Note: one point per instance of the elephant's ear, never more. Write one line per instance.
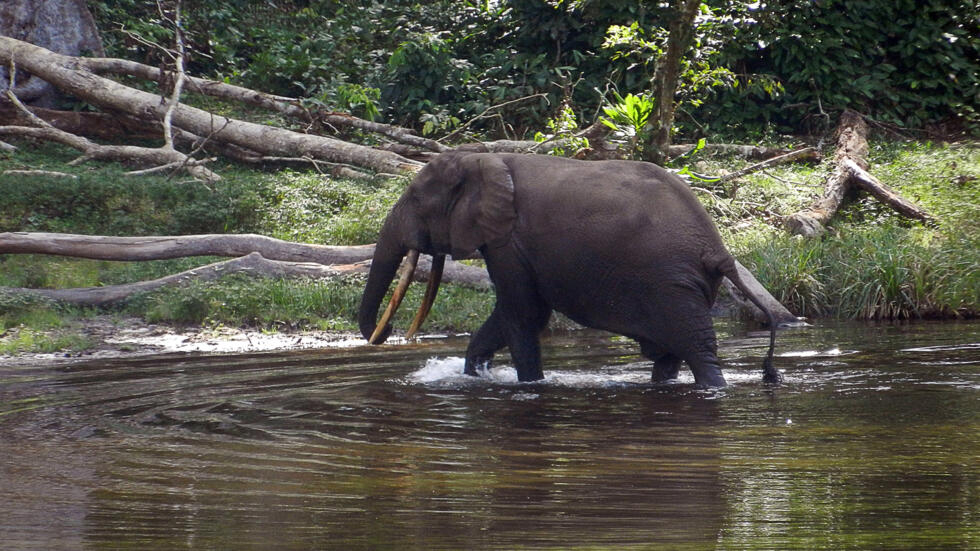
(484, 212)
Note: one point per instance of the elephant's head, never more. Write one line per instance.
(458, 203)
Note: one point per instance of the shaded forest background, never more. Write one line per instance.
(755, 69)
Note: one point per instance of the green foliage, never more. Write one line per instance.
(753, 66)
(627, 118)
(888, 272)
(904, 62)
(26, 339)
(311, 208)
(563, 127)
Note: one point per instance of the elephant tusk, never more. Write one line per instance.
(404, 279)
(435, 277)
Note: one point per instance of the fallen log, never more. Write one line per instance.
(850, 168)
(784, 318)
(68, 74)
(290, 107)
(164, 247)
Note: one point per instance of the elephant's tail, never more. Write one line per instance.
(728, 268)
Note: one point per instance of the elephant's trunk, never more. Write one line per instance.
(387, 257)
(383, 267)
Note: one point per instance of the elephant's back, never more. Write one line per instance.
(610, 207)
(622, 230)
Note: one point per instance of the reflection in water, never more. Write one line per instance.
(872, 442)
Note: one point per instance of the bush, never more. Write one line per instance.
(904, 62)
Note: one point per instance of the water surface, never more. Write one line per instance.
(872, 442)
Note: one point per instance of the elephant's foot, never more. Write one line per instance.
(665, 369)
(707, 374)
(529, 375)
(474, 368)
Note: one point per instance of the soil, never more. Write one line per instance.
(115, 337)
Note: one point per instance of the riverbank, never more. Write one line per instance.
(112, 336)
(870, 264)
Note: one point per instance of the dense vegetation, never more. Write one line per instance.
(756, 68)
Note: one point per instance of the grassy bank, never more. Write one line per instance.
(870, 264)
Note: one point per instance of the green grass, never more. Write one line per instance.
(240, 300)
(32, 324)
(885, 272)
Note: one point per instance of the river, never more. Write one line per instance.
(872, 442)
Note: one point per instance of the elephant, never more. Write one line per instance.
(622, 246)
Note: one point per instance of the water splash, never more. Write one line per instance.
(448, 373)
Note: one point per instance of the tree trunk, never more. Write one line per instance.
(60, 70)
(665, 79)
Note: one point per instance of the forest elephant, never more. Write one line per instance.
(622, 246)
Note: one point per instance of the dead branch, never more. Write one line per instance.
(122, 153)
(746, 151)
(48, 173)
(67, 73)
(174, 99)
(289, 107)
(850, 168)
(884, 193)
(805, 153)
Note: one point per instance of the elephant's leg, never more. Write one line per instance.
(522, 333)
(484, 344)
(522, 313)
(688, 334)
(665, 368)
(707, 371)
(702, 357)
(665, 365)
